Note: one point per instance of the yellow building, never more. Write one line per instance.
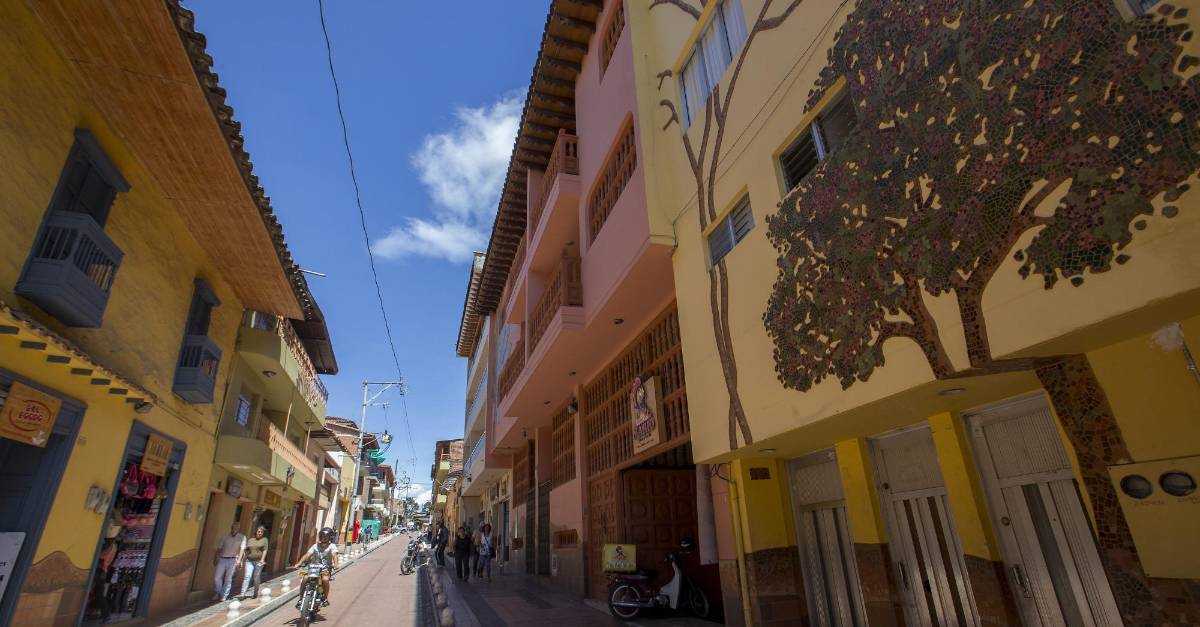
(937, 274)
(135, 235)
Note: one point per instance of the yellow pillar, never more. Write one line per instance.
(963, 488)
(767, 545)
(858, 484)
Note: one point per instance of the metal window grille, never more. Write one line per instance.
(731, 230)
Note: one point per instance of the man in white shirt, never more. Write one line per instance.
(227, 559)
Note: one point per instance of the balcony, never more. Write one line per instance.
(71, 269)
(271, 347)
(196, 374)
(563, 160)
(512, 369)
(565, 289)
(332, 474)
(269, 458)
(477, 402)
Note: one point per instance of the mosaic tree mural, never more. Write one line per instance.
(1038, 130)
(703, 161)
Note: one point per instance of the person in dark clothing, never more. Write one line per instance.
(462, 554)
(442, 539)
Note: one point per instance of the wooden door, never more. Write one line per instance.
(660, 510)
(604, 527)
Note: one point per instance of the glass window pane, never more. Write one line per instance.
(837, 123)
(716, 54)
(694, 85)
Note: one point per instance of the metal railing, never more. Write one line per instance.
(477, 397)
(76, 237)
(476, 452)
(564, 289)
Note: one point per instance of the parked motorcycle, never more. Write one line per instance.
(630, 594)
(418, 555)
(312, 593)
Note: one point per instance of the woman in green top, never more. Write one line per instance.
(256, 559)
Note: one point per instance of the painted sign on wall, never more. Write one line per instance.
(645, 412)
(620, 558)
(28, 415)
(158, 451)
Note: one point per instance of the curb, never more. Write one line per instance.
(262, 611)
(443, 616)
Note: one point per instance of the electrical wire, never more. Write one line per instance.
(362, 216)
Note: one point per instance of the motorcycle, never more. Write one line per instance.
(418, 555)
(630, 594)
(312, 593)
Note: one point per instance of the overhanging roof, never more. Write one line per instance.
(549, 106)
(468, 326)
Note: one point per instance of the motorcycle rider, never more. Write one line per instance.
(325, 553)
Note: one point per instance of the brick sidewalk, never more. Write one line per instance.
(524, 601)
(220, 614)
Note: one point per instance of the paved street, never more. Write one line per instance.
(369, 592)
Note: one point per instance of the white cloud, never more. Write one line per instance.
(424, 496)
(462, 169)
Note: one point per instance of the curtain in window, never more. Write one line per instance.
(735, 24)
(694, 87)
(716, 54)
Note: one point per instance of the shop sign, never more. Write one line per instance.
(28, 415)
(158, 452)
(645, 411)
(271, 499)
(234, 487)
(620, 558)
(10, 548)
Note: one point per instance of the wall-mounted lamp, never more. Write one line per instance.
(572, 408)
(143, 407)
(187, 511)
(96, 500)
(269, 373)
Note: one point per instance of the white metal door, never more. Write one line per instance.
(1037, 510)
(922, 537)
(826, 548)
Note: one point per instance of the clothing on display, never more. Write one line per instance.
(128, 540)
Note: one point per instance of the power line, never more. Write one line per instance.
(362, 216)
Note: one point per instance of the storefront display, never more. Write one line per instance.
(121, 570)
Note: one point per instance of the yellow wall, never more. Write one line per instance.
(148, 307)
(765, 113)
(858, 485)
(765, 505)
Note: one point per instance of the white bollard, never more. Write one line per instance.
(266, 592)
(235, 606)
(447, 617)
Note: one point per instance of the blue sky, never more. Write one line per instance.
(432, 93)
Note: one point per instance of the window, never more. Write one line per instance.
(721, 39)
(730, 230)
(825, 135)
(1142, 7)
(243, 411)
(73, 264)
(196, 373)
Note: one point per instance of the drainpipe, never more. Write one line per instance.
(743, 577)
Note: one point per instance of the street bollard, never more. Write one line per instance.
(440, 599)
(447, 617)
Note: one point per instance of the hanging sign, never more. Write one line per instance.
(28, 415)
(645, 412)
(158, 451)
(10, 548)
(271, 499)
(234, 487)
(620, 558)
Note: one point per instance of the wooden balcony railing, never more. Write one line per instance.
(564, 288)
(512, 369)
(613, 176)
(278, 442)
(519, 257)
(563, 160)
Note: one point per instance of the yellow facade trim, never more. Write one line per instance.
(858, 487)
(967, 499)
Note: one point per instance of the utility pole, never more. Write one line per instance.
(362, 430)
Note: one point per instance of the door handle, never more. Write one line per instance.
(1019, 576)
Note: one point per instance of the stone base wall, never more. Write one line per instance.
(53, 592)
(776, 591)
(993, 596)
(881, 595)
(731, 594)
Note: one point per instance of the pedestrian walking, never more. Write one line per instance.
(486, 550)
(226, 560)
(475, 538)
(443, 538)
(462, 554)
(256, 559)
